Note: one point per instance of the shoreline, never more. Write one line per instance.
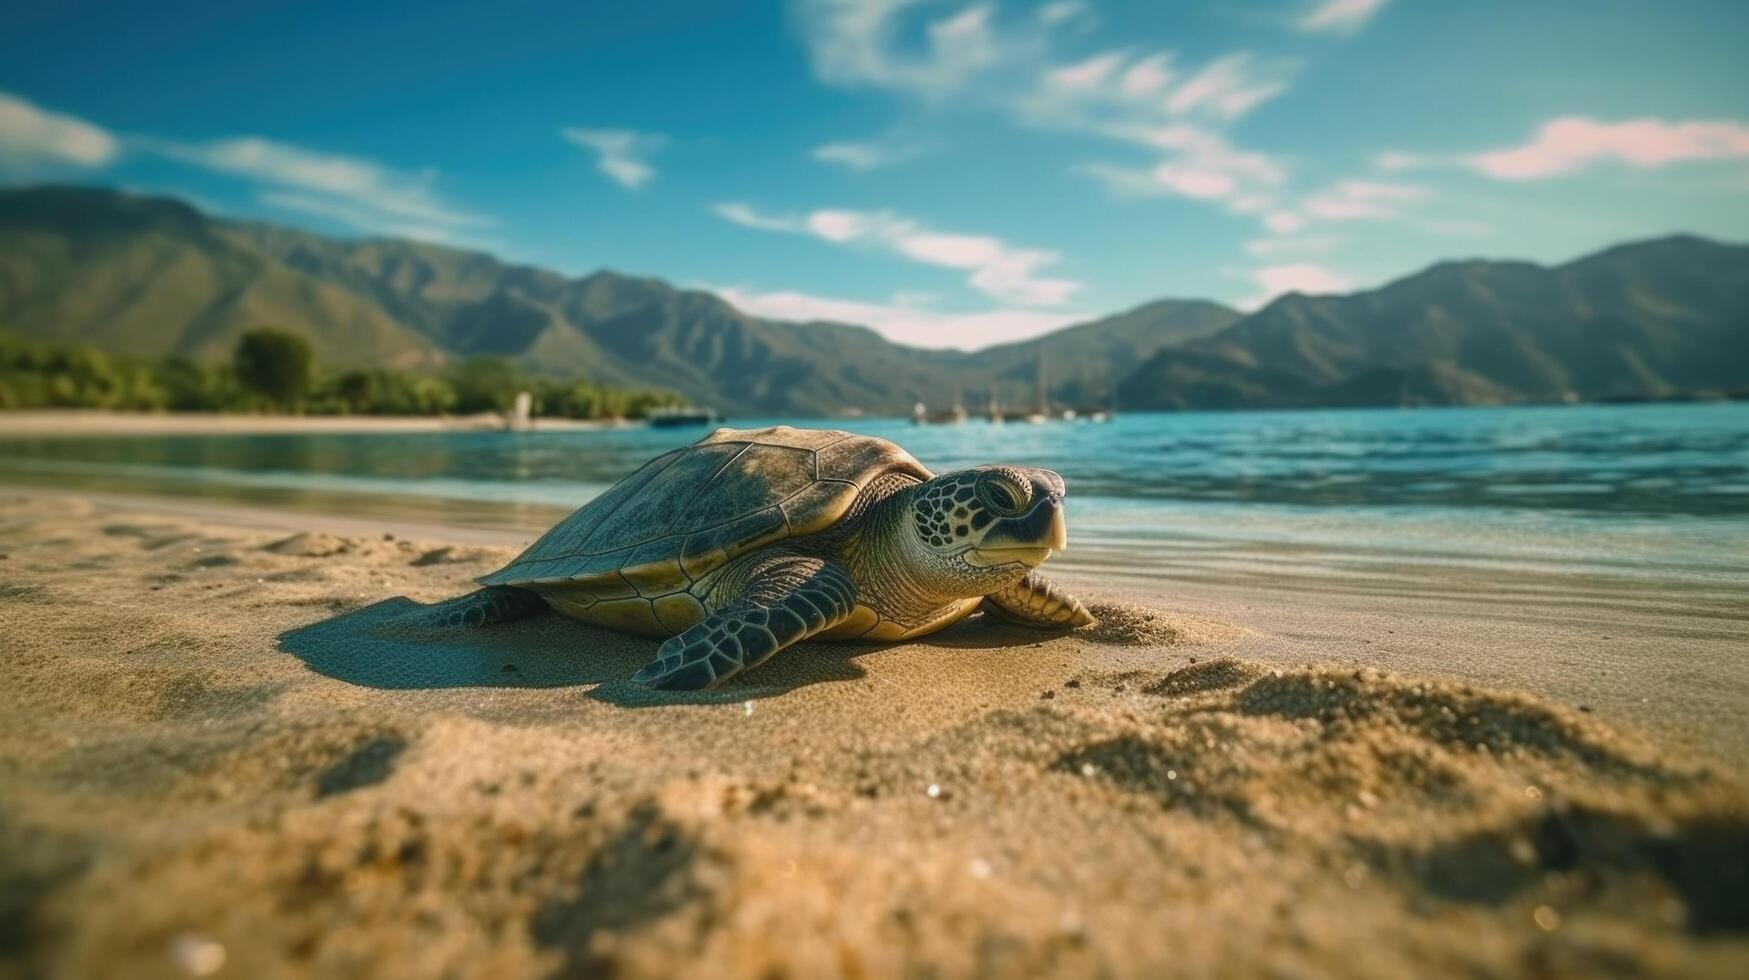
(75, 422)
(78, 422)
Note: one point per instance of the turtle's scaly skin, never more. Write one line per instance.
(748, 541)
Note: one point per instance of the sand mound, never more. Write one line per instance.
(454, 555)
(1283, 749)
(1440, 790)
(312, 545)
(1129, 624)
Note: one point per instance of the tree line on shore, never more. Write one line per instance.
(273, 370)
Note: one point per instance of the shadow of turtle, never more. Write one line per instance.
(986, 631)
(799, 666)
(387, 645)
(822, 662)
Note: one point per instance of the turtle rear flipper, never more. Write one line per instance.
(485, 607)
(783, 602)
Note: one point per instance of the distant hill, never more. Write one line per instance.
(1083, 363)
(155, 276)
(1651, 319)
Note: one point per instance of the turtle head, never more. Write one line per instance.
(991, 522)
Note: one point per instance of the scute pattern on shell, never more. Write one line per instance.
(688, 511)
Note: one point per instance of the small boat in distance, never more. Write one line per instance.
(680, 416)
(920, 414)
(1042, 413)
(520, 418)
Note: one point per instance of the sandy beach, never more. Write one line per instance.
(227, 749)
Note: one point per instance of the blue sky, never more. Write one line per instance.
(951, 172)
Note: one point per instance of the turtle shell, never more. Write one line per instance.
(687, 512)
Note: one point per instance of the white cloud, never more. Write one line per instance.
(865, 155)
(361, 193)
(1294, 277)
(1357, 200)
(1199, 164)
(620, 154)
(1119, 90)
(1011, 275)
(1012, 65)
(1147, 76)
(747, 216)
(1061, 11)
(1226, 88)
(375, 222)
(1008, 273)
(322, 207)
(1572, 143)
(1202, 149)
(1086, 77)
(842, 227)
(952, 251)
(1141, 100)
(907, 319)
(1283, 222)
(1339, 16)
(30, 134)
(1016, 67)
(371, 197)
(859, 42)
(1194, 182)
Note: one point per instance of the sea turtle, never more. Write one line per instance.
(750, 540)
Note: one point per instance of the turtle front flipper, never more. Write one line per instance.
(783, 601)
(1038, 601)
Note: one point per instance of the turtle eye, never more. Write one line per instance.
(1001, 494)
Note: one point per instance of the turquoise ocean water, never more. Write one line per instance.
(1650, 490)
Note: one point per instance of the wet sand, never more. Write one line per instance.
(227, 749)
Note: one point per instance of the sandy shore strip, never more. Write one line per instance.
(94, 422)
(227, 748)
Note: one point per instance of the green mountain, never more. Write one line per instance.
(1084, 363)
(155, 276)
(1651, 319)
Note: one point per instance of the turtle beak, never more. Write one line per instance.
(1029, 538)
(1057, 535)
